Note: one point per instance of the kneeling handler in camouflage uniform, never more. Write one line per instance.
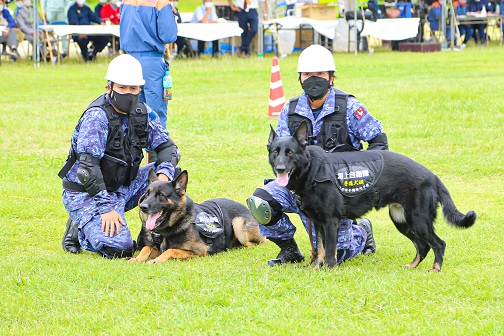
(102, 177)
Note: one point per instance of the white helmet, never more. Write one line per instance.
(316, 58)
(126, 70)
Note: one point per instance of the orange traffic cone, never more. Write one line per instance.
(276, 96)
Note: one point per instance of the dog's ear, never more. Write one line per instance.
(152, 176)
(301, 134)
(180, 183)
(272, 137)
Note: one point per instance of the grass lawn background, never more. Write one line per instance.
(445, 110)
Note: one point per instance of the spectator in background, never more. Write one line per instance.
(110, 12)
(476, 7)
(56, 11)
(154, 27)
(80, 14)
(110, 15)
(460, 7)
(206, 14)
(99, 7)
(24, 21)
(375, 9)
(19, 6)
(8, 36)
(405, 9)
(248, 20)
(434, 18)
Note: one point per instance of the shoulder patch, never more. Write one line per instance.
(359, 113)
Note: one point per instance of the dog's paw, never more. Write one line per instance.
(155, 261)
(135, 259)
(409, 266)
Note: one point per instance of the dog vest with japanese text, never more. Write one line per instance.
(353, 173)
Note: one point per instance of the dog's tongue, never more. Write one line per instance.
(151, 221)
(282, 179)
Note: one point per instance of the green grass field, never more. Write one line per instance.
(445, 110)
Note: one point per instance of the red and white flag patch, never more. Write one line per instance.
(359, 113)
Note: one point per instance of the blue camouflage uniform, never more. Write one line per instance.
(145, 28)
(90, 137)
(361, 127)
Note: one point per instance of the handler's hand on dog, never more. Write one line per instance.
(163, 177)
(111, 223)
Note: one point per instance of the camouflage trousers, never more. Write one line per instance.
(83, 210)
(351, 237)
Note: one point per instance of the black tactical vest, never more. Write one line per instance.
(333, 136)
(123, 152)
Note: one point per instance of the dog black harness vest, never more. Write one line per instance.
(333, 136)
(123, 153)
(209, 223)
(352, 173)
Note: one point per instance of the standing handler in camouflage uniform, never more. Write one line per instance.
(338, 122)
(102, 177)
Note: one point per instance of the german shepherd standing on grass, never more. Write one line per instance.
(331, 186)
(174, 227)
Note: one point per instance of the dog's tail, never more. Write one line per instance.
(450, 211)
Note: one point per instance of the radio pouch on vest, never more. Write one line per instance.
(333, 136)
(123, 153)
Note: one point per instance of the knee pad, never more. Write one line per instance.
(265, 209)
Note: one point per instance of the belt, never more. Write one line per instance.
(72, 186)
(146, 53)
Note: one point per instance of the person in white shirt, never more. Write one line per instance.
(206, 14)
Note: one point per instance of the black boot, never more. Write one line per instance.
(112, 252)
(370, 246)
(289, 252)
(70, 241)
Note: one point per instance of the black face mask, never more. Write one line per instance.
(315, 87)
(124, 102)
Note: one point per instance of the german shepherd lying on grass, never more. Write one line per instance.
(174, 227)
(331, 186)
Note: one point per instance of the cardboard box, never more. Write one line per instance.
(304, 38)
(419, 47)
(318, 12)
